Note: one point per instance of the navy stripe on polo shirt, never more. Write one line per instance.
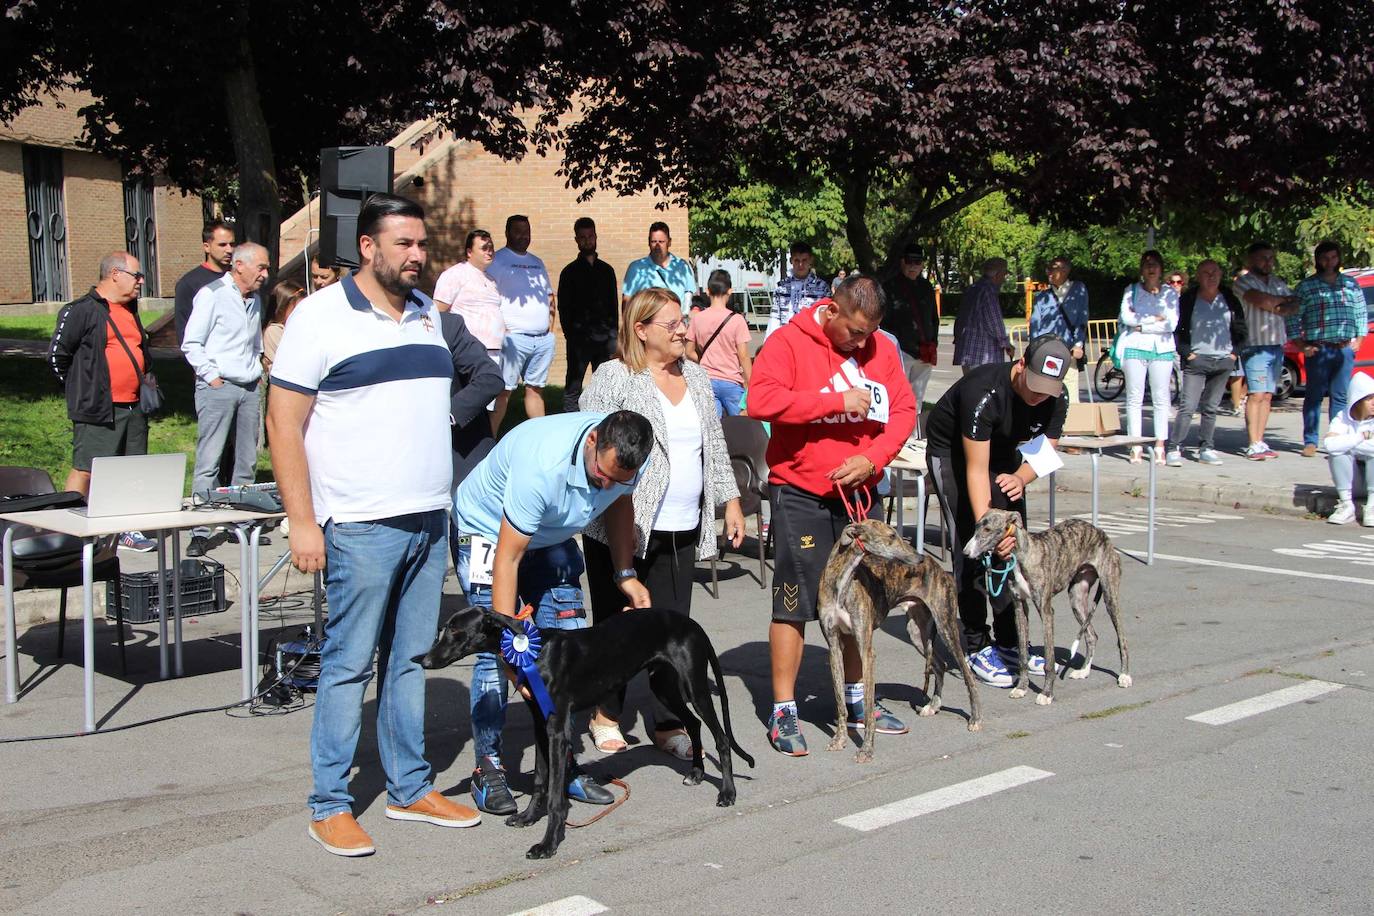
(377, 436)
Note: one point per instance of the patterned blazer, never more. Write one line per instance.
(615, 387)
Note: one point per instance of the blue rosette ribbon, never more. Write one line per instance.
(521, 651)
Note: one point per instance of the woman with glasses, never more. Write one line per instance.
(468, 290)
(687, 477)
(1149, 316)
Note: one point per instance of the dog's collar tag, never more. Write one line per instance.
(521, 651)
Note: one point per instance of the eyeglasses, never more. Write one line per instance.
(670, 326)
(602, 480)
(137, 275)
(1176, 283)
(487, 247)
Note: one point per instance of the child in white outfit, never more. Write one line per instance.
(1349, 447)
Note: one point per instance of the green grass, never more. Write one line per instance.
(35, 431)
(1113, 710)
(40, 327)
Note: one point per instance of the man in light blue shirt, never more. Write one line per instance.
(661, 268)
(516, 514)
(223, 344)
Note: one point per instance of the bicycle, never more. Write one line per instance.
(1109, 381)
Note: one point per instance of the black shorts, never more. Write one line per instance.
(804, 527)
(126, 435)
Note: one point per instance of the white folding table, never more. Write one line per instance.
(1096, 445)
(900, 467)
(64, 521)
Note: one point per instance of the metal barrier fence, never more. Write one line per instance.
(1100, 334)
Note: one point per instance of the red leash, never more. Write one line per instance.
(858, 509)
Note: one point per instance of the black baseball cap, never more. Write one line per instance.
(1047, 361)
(914, 252)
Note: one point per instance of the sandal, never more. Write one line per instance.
(1135, 454)
(1159, 455)
(607, 738)
(677, 745)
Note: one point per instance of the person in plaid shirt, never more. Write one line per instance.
(1328, 325)
(980, 334)
(799, 291)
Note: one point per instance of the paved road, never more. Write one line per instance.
(1108, 799)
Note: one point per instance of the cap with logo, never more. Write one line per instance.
(1047, 361)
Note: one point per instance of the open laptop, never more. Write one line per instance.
(135, 485)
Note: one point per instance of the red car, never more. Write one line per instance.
(1294, 372)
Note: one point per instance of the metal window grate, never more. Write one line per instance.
(140, 229)
(47, 223)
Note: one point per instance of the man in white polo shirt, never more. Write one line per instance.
(517, 513)
(359, 428)
(528, 305)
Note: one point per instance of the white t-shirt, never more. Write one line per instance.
(525, 291)
(681, 508)
(377, 436)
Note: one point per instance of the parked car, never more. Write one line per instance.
(1293, 376)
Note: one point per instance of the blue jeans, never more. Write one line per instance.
(383, 582)
(1328, 372)
(728, 395)
(548, 579)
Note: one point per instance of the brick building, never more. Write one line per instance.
(63, 208)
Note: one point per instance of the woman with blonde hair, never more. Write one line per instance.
(687, 477)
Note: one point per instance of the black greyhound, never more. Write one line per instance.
(579, 667)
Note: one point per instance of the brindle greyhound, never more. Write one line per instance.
(890, 575)
(1072, 556)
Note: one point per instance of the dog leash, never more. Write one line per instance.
(608, 809)
(1004, 573)
(862, 503)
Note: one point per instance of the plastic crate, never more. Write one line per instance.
(202, 592)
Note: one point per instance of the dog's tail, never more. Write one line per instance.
(725, 704)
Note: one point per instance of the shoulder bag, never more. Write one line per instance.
(149, 395)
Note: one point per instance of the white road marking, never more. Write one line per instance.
(940, 799)
(1298, 573)
(1224, 715)
(1136, 520)
(568, 906)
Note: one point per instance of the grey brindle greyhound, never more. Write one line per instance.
(1072, 556)
(890, 575)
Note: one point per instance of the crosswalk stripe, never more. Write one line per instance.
(1232, 712)
(940, 799)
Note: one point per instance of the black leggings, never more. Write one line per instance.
(957, 516)
(666, 569)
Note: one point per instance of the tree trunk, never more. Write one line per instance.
(259, 205)
(854, 187)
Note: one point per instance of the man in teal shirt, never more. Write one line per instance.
(661, 268)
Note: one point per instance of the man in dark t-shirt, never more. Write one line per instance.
(588, 311)
(972, 452)
(217, 238)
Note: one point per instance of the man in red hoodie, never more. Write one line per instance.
(841, 408)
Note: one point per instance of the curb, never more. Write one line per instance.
(1298, 499)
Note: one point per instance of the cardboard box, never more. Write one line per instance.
(1092, 420)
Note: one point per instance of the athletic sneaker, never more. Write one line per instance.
(1208, 456)
(885, 723)
(1174, 458)
(1035, 664)
(1367, 517)
(1257, 451)
(583, 788)
(1344, 514)
(489, 788)
(988, 667)
(785, 734)
(134, 540)
(1266, 450)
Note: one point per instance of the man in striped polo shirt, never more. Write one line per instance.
(359, 427)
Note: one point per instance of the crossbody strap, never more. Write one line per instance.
(712, 339)
(128, 352)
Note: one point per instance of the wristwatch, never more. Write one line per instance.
(622, 574)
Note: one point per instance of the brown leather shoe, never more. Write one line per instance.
(438, 810)
(1309, 450)
(341, 835)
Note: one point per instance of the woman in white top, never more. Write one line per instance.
(468, 290)
(1149, 315)
(687, 477)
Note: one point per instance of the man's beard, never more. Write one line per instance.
(394, 281)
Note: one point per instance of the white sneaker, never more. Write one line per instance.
(1208, 456)
(1175, 458)
(1344, 514)
(1367, 518)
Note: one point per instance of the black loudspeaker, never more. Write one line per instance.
(348, 174)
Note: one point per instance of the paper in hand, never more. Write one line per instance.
(1041, 456)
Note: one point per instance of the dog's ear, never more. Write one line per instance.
(1014, 519)
(509, 623)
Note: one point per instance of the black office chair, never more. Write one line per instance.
(46, 559)
(746, 441)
